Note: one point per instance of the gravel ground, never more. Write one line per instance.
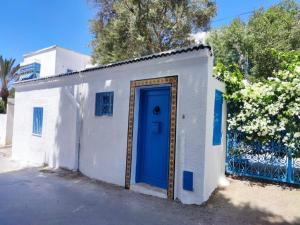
(36, 196)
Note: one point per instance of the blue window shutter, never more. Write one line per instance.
(104, 104)
(37, 120)
(217, 129)
(34, 121)
(40, 120)
(111, 103)
(97, 104)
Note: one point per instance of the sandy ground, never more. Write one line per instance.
(36, 196)
(7, 165)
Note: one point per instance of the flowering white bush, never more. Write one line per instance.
(268, 109)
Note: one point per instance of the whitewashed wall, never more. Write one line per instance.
(103, 140)
(10, 121)
(215, 155)
(6, 124)
(47, 59)
(57, 60)
(56, 147)
(3, 119)
(67, 59)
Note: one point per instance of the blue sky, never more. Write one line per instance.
(29, 25)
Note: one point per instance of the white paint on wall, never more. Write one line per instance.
(3, 122)
(10, 121)
(45, 58)
(6, 124)
(215, 154)
(57, 60)
(103, 140)
(57, 144)
(70, 60)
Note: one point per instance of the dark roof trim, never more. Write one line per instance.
(144, 58)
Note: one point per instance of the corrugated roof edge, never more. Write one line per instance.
(129, 61)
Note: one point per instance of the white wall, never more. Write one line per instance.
(57, 60)
(67, 59)
(6, 124)
(214, 166)
(57, 145)
(10, 121)
(3, 119)
(103, 140)
(47, 59)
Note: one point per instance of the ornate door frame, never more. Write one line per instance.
(172, 81)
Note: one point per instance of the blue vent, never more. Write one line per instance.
(104, 104)
(217, 130)
(37, 121)
(188, 181)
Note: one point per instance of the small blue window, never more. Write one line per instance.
(217, 130)
(37, 121)
(104, 104)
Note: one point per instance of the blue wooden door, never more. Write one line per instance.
(153, 137)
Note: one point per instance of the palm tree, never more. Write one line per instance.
(8, 73)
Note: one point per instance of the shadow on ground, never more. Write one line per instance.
(222, 209)
(34, 197)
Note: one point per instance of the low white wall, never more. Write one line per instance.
(103, 140)
(3, 121)
(10, 120)
(6, 124)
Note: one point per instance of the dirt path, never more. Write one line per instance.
(258, 201)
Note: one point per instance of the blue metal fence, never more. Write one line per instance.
(270, 161)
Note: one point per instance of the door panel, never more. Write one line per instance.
(153, 137)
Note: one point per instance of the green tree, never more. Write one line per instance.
(7, 75)
(249, 45)
(132, 28)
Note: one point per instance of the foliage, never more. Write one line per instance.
(268, 109)
(249, 45)
(12, 92)
(8, 73)
(132, 28)
(2, 107)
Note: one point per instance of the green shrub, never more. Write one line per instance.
(267, 109)
(2, 107)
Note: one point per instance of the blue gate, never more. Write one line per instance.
(271, 161)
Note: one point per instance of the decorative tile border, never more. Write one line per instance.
(173, 80)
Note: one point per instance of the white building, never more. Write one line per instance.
(52, 61)
(152, 124)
